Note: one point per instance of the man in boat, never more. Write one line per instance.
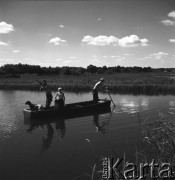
(96, 88)
(49, 96)
(59, 99)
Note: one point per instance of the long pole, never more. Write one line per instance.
(111, 98)
(107, 90)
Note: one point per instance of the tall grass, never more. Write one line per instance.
(117, 83)
(159, 138)
(158, 144)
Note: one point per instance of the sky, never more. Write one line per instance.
(83, 32)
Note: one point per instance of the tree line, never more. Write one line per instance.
(17, 69)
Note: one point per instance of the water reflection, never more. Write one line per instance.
(19, 153)
(133, 105)
(47, 141)
(172, 107)
(47, 124)
(101, 126)
(8, 121)
(60, 126)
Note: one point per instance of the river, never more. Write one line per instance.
(68, 149)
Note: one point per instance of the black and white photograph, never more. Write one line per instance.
(87, 89)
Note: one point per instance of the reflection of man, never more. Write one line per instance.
(61, 127)
(96, 88)
(46, 142)
(99, 128)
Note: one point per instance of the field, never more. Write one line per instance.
(139, 83)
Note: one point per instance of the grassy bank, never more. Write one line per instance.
(141, 83)
(155, 154)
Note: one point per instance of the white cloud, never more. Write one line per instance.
(16, 51)
(3, 43)
(148, 57)
(57, 41)
(72, 57)
(132, 41)
(168, 22)
(172, 40)
(159, 55)
(171, 14)
(67, 62)
(7, 60)
(5, 28)
(99, 19)
(156, 56)
(120, 58)
(128, 54)
(100, 40)
(58, 59)
(128, 41)
(61, 26)
(94, 56)
(30, 60)
(95, 60)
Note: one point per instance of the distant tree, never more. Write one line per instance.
(147, 69)
(79, 71)
(91, 68)
(15, 69)
(65, 71)
(104, 69)
(57, 70)
(110, 70)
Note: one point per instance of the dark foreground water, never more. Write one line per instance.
(67, 149)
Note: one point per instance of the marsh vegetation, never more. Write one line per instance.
(122, 83)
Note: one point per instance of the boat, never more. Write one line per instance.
(72, 109)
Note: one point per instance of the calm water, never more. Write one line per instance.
(66, 149)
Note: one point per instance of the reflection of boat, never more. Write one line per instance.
(73, 109)
(47, 124)
(60, 125)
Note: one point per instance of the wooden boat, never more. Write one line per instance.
(69, 109)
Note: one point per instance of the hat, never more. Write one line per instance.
(102, 79)
(59, 89)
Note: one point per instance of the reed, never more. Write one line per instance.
(150, 84)
(159, 138)
(158, 143)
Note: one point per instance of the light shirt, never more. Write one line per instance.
(60, 95)
(97, 85)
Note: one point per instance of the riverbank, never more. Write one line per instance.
(139, 83)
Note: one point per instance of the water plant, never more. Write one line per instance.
(140, 83)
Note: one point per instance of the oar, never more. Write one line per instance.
(107, 90)
(39, 82)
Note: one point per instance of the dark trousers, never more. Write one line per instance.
(59, 104)
(95, 95)
(48, 101)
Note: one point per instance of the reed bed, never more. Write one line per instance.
(159, 139)
(117, 83)
(158, 146)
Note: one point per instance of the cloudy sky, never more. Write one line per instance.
(83, 32)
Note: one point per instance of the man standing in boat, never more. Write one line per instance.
(59, 99)
(96, 88)
(49, 96)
